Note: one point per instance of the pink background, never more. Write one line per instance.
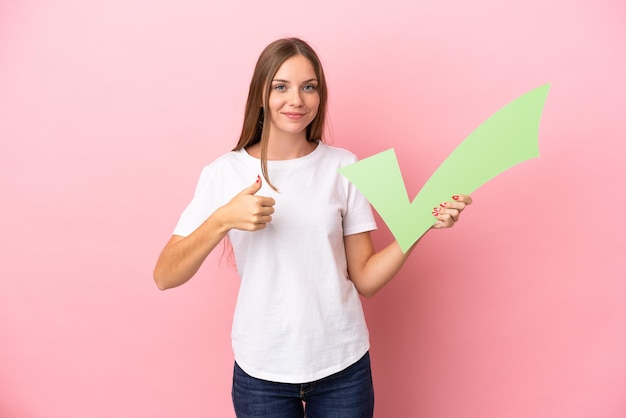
(109, 109)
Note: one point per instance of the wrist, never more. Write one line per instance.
(219, 222)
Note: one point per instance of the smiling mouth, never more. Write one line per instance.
(294, 115)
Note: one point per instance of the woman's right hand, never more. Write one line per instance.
(247, 211)
(182, 256)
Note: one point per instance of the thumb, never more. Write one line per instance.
(256, 186)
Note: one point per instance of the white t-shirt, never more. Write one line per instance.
(298, 317)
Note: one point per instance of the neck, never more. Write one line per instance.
(284, 148)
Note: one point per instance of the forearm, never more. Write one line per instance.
(370, 270)
(380, 269)
(182, 256)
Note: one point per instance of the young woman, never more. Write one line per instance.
(300, 236)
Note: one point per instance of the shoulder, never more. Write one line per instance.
(341, 155)
(221, 168)
(229, 160)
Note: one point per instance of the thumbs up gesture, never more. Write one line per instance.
(247, 211)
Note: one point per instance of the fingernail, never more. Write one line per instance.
(435, 214)
(443, 205)
(437, 209)
(455, 197)
(258, 179)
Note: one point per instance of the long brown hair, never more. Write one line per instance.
(256, 123)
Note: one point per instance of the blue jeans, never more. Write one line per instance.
(346, 394)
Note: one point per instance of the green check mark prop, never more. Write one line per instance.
(507, 138)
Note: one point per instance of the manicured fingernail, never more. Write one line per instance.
(443, 205)
(435, 214)
(437, 209)
(258, 179)
(455, 197)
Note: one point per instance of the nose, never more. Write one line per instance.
(295, 99)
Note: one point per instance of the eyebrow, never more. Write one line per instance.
(287, 81)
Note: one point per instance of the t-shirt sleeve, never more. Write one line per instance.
(200, 207)
(358, 217)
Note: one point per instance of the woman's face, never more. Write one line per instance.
(293, 99)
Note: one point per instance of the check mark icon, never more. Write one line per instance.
(507, 138)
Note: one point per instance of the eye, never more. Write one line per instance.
(309, 87)
(280, 87)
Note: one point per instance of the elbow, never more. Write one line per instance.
(367, 291)
(368, 294)
(161, 285)
(363, 287)
(165, 279)
(160, 280)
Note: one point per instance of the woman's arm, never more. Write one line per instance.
(370, 271)
(182, 256)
